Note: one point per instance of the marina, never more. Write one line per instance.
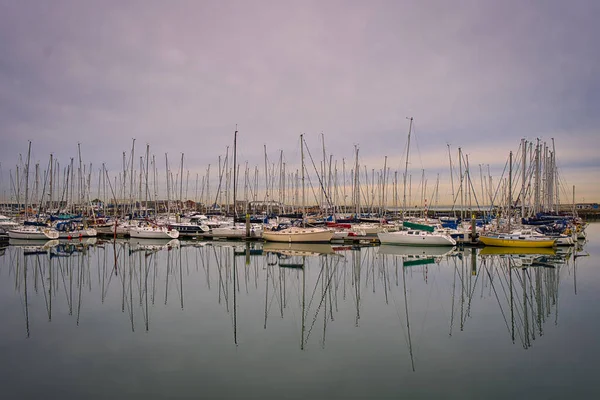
(299, 200)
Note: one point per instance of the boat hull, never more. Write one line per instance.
(515, 242)
(153, 233)
(401, 238)
(299, 235)
(26, 234)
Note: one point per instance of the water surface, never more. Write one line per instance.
(183, 319)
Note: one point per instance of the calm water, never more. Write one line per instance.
(219, 320)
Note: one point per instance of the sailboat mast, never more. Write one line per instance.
(27, 181)
(181, 186)
(524, 176)
(51, 173)
(461, 176)
(356, 183)
(147, 187)
(234, 172)
(168, 196)
(509, 188)
(451, 177)
(302, 167)
(406, 165)
(130, 177)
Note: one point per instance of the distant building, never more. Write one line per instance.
(586, 206)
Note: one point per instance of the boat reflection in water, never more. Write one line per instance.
(529, 279)
(34, 246)
(417, 255)
(300, 249)
(300, 289)
(137, 244)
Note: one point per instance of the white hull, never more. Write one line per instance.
(33, 234)
(416, 238)
(153, 233)
(298, 235)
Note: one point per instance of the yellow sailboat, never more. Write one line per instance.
(509, 240)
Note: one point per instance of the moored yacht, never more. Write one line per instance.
(33, 233)
(416, 238)
(296, 234)
(153, 232)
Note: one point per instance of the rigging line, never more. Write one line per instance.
(320, 305)
(497, 298)
(416, 140)
(498, 186)
(315, 288)
(318, 176)
(43, 278)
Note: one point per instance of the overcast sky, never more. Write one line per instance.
(179, 76)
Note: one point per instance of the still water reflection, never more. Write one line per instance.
(177, 319)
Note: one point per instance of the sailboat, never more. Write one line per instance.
(29, 232)
(297, 234)
(153, 232)
(235, 230)
(416, 238)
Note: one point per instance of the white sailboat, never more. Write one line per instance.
(33, 233)
(416, 238)
(153, 232)
(297, 234)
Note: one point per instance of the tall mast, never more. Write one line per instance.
(168, 196)
(181, 186)
(131, 177)
(356, 183)
(509, 187)
(267, 178)
(147, 170)
(51, 181)
(406, 166)
(27, 181)
(383, 205)
(302, 166)
(451, 177)
(555, 172)
(234, 172)
(524, 176)
(462, 197)
(323, 169)
(536, 189)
